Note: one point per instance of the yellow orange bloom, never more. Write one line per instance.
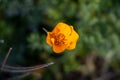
(62, 37)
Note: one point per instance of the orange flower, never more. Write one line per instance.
(62, 37)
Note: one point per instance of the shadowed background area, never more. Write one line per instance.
(96, 56)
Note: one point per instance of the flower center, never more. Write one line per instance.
(57, 39)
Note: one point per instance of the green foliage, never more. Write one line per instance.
(96, 21)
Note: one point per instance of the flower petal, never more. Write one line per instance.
(48, 39)
(72, 39)
(59, 49)
(62, 28)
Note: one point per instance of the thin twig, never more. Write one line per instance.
(45, 29)
(5, 59)
(25, 69)
(18, 68)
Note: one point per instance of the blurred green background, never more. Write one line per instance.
(96, 56)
